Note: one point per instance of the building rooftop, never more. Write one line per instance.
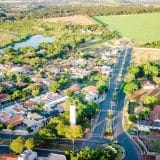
(155, 114)
(16, 120)
(8, 157)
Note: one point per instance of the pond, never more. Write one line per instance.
(33, 41)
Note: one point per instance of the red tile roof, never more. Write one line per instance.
(91, 89)
(74, 87)
(4, 96)
(8, 157)
(16, 120)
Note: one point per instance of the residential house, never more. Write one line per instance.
(155, 114)
(153, 124)
(91, 93)
(147, 126)
(52, 105)
(4, 97)
(34, 121)
(8, 157)
(17, 69)
(61, 107)
(74, 88)
(53, 156)
(18, 110)
(4, 117)
(28, 155)
(29, 105)
(147, 84)
(15, 120)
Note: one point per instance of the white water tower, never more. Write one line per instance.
(73, 115)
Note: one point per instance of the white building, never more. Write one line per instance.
(146, 84)
(28, 155)
(147, 126)
(91, 92)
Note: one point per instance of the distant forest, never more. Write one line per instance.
(59, 11)
(68, 10)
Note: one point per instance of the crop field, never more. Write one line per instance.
(6, 37)
(144, 54)
(140, 28)
(77, 19)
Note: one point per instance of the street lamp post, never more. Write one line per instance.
(73, 144)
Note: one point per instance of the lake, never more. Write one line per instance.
(33, 41)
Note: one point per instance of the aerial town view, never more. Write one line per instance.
(79, 79)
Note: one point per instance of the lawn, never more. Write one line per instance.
(137, 27)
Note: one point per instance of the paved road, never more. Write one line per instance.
(132, 151)
(99, 128)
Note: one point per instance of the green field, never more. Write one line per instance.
(138, 27)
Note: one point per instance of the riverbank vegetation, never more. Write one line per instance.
(71, 34)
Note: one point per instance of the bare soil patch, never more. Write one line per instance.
(77, 19)
(141, 55)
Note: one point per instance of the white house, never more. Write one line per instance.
(147, 84)
(91, 93)
(28, 155)
(35, 125)
(148, 125)
(51, 105)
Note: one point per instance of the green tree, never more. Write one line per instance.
(144, 115)
(29, 144)
(129, 88)
(85, 154)
(35, 92)
(73, 132)
(1, 126)
(54, 86)
(134, 70)
(129, 78)
(11, 127)
(149, 100)
(16, 94)
(150, 70)
(17, 145)
(1, 89)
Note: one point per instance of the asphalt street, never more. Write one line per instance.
(132, 151)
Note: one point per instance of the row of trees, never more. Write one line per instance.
(155, 44)
(59, 11)
(19, 144)
(110, 152)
